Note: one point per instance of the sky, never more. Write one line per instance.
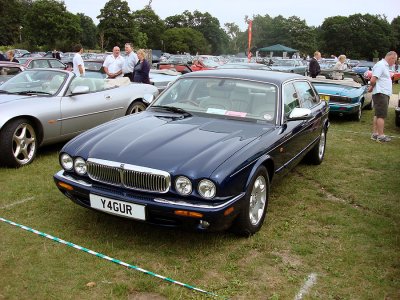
(312, 11)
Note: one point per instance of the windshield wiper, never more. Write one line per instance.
(32, 93)
(174, 110)
(4, 92)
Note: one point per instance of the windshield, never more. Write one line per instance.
(217, 97)
(35, 82)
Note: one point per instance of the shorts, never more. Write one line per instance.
(381, 103)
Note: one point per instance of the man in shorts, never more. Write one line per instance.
(381, 88)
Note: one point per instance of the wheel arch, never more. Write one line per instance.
(266, 161)
(139, 99)
(37, 125)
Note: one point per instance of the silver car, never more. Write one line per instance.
(44, 106)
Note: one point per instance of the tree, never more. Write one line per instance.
(396, 34)
(116, 24)
(185, 40)
(357, 36)
(49, 24)
(89, 31)
(233, 32)
(12, 20)
(149, 22)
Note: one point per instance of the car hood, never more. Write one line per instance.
(5, 98)
(194, 146)
(282, 68)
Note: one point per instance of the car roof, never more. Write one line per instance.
(259, 75)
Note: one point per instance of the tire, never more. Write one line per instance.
(18, 143)
(136, 107)
(317, 153)
(369, 106)
(253, 212)
(358, 114)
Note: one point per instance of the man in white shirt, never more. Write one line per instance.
(113, 64)
(77, 62)
(130, 61)
(381, 88)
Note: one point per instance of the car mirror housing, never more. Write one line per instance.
(80, 89)
(299, 113)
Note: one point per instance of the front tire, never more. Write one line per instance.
(358, 114)
(136, 107)
(253, 212)
(18, 143)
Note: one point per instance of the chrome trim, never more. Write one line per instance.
(66, 177)
(204, 206)
(90, 114)
(129, 176)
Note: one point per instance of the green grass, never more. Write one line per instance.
(339, 220)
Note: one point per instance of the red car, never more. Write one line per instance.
(41, 62)
(395, 75)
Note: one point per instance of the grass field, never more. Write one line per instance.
(336, 224)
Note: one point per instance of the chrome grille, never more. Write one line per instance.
(128, 176)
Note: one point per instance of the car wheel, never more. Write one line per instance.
(254, 209)
(317, 153)
(136, 107)
(358, 114)
(18, 143)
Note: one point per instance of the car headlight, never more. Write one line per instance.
(183, 185)
(66, 161)
(80, 166)
(207, 189)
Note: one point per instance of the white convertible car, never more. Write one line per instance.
(43, 106)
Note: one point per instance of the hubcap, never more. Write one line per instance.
(24, 143)
(258, 199)
(321, 144)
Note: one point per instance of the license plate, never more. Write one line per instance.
(119, 208)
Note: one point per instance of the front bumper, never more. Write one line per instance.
(159, 209)
(344, 108)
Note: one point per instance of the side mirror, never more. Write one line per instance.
(299, 113)
(80, 89)
(148, 98)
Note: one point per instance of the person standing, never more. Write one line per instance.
(79, 66)
(314, 68)
(381, 88)
(56, 54)
(113, 64)
(130, 61)
(339, 67)
(10, 56)
(142, 68)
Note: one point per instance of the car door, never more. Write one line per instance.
(310, 99)
(292, 132)
(83, 111)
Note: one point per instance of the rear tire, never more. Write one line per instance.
(136, 107)
(18, 143)
(253, 212)
(317, 153)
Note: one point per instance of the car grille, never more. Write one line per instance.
(128, 176)
(338, 99)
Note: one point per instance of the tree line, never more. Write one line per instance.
(46, 24)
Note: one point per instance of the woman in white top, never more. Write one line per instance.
(340, 66)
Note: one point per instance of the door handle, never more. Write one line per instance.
(108, 97)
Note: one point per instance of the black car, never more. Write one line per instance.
(203, 154)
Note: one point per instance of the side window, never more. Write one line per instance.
(306, 94)
(56, 64)
(291, 100)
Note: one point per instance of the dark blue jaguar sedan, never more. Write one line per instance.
(203, 154)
